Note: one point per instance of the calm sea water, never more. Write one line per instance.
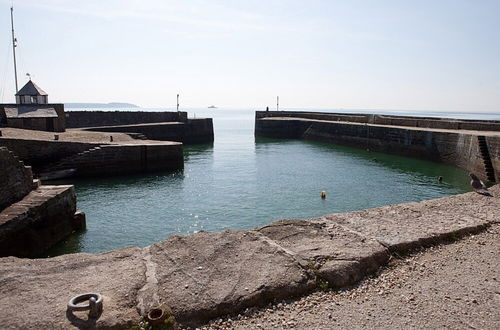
(242, 182)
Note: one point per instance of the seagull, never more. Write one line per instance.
(479, 186)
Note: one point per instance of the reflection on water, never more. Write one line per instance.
(242, 182)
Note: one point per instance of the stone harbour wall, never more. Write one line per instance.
(453, 146)
(16, 180)
(191, 131)
(409, 121)
(44, 217)
(123, 159)
(33, 217)
(77, 119)
(199, 131)
(41, 152)
(97, 159)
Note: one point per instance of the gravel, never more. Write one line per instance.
(448, 286)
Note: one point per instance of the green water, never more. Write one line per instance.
(242, 182)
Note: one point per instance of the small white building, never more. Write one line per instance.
(32, 111)
(31, 94)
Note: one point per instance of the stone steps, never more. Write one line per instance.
(485, 154)
(71, 161)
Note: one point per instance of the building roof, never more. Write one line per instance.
(31, 89)
(30, 112)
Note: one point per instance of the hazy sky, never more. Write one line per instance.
(401, 54)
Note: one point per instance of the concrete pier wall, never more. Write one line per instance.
(430, 139)
(77, 119)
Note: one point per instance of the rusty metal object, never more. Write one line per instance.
(156, 316)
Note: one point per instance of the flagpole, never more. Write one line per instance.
(14, 45)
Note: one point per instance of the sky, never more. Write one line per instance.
(327, 54)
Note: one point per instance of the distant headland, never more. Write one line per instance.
(101, 105)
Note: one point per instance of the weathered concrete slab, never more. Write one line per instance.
(407, 226)
(334, 253)
(206, 275)
(34, 292)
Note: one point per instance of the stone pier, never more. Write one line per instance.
(33, 217)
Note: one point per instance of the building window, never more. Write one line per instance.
(33, 100)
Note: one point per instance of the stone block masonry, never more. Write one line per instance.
(455, 142)
(16, 180)
(191, 131)
(33, 217)
(40, 152)
(44, 217)
(123, 159)
(97, 158)
(207, 275)
(77, 119)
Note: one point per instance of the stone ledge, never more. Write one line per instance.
(41, 219)
(206, 275)
(408, 226)
(333, 253)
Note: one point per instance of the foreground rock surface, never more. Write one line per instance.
(34, 293)
(452, 286)
(206, 275)
(335, 254)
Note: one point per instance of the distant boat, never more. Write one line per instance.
(212, 107)
(54, 175)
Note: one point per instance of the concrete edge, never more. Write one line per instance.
(355, 270)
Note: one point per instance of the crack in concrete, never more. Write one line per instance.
(303, 263)
(147, 296)
(275, 244)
